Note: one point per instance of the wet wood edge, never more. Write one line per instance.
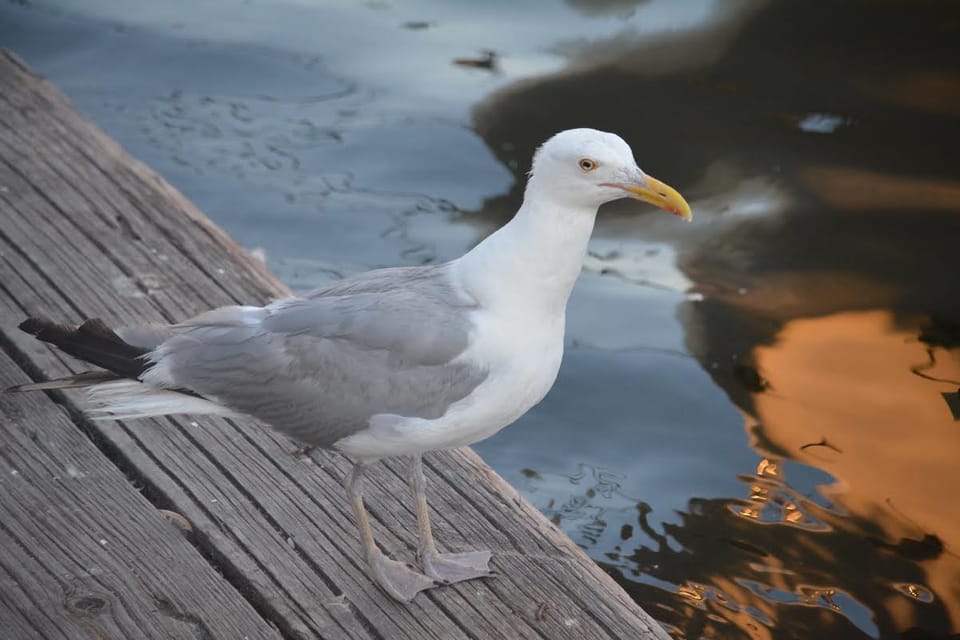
(88, 231)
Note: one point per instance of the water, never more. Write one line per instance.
(757, 425)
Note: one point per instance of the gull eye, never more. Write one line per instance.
(587, 164)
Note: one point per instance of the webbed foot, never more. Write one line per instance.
(397, 578)
(456, 567)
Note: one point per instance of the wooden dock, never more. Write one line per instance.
(86, 550)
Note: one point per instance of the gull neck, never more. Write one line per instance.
(533, 260)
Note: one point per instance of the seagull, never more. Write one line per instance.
(392, 362)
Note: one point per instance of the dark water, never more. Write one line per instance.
(757, 424)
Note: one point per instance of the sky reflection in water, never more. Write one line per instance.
(756, 425)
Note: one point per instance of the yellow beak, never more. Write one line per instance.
(660, 195)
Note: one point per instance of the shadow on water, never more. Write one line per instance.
(757, 425)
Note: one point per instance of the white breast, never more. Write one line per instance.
(523, 356)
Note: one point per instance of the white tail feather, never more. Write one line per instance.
(128, 399)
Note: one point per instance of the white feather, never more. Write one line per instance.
(128, 399)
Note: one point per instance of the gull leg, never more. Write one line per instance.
(447, 567)
(396, 578)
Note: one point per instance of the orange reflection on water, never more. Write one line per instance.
(924, 90)
(871, 191)
(844, 397)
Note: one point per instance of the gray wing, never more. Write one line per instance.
(317, 367)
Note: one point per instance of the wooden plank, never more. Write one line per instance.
(88, 231)
(71, 528)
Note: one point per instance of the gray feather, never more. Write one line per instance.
(317, 367)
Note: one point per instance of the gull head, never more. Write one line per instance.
(586, 167)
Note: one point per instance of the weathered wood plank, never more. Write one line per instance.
(88, 231)
(71, 529)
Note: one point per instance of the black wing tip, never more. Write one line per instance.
(92, 341)
(34, 325)
(97, 327)
(37, 325)
(47, 330)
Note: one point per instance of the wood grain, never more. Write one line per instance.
(87, 231)
(84, 555)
